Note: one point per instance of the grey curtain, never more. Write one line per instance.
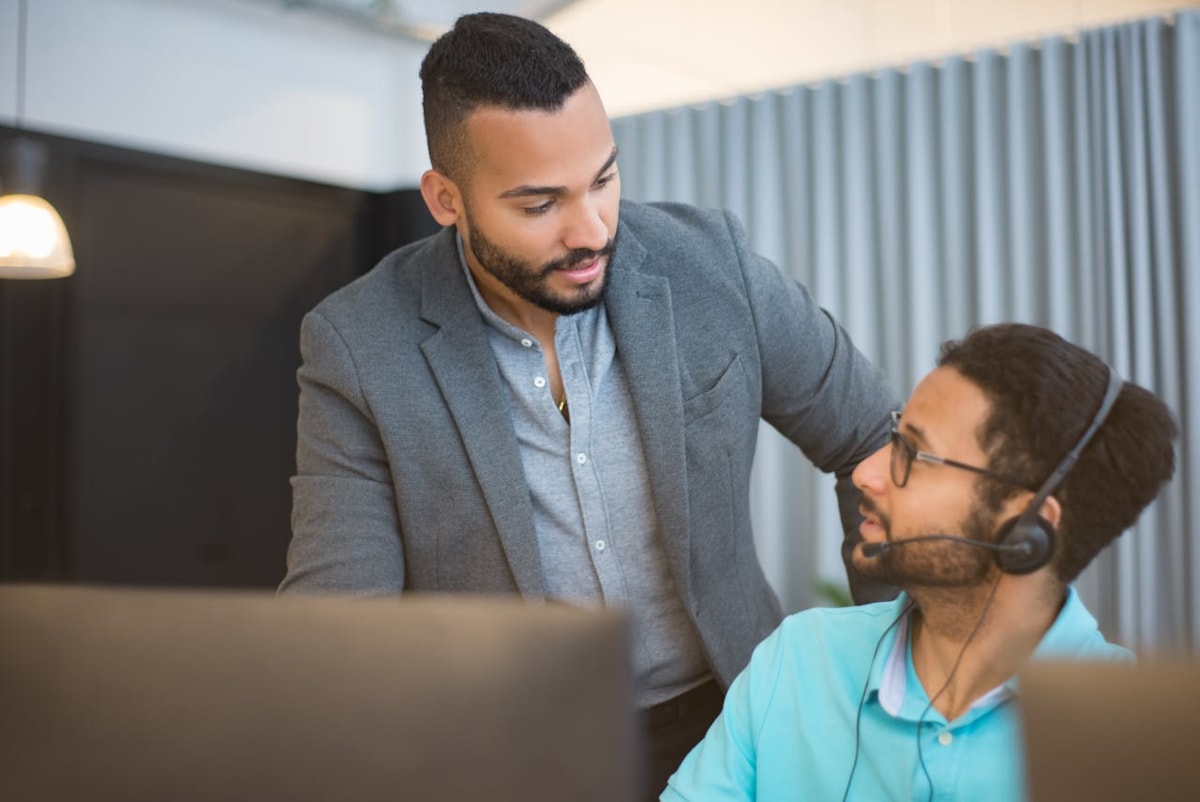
(1055, 182)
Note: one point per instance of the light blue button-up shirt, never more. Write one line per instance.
(589, 487)
(788, 729)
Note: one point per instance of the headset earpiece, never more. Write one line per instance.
(1031, 536)
(1030, 544)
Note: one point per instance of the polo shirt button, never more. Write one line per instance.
(528, 343)
(539, 382)
(945, 738)
(600, 544)
(582, 458)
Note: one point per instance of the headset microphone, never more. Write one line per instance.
(876, 549)
(884, 546)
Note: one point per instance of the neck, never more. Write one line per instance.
(988, 630)
(511, 307)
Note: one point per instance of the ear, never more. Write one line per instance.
(1051, 510)
(442, 196)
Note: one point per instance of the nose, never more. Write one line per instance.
(586, 227)
(874, 473)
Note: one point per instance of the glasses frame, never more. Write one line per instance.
(905, 454)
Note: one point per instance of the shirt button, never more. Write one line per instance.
(600, 544)
(539, 382)
(582, 458)
(528, 343)
(945, 738)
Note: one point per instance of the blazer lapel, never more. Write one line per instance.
(464, 368)
(639, 310)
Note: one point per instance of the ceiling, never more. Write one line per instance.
(653, 54)
(423, 20)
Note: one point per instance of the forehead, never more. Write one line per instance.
(945, 413)
(559, 148)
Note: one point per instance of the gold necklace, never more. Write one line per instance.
(562, 404)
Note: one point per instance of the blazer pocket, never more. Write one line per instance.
(717, 431)
(724, 393)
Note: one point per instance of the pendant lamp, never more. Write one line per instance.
(33, 239)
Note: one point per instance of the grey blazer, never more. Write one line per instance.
(408, 474)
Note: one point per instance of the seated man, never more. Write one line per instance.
(1014, 463)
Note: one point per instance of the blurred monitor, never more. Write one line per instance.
(1111, 731)
(122, 694)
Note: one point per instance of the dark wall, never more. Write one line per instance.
(148, 406)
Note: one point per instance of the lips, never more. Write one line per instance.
(867, 528)
(585, 272)
(870, 525)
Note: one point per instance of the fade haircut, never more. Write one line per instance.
(1044, 391)
(490, 59)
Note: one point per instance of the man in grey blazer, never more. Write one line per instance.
(540, 401)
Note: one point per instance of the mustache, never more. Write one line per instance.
(578, 256)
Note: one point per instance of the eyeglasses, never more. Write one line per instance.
(903, 454)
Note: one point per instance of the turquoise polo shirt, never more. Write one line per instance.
(787, 731)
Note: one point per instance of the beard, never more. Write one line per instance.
(532, 283)
(936, 563)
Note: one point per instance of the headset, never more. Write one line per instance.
(1026, 542)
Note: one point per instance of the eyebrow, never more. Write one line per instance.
(916, 436)
(532, 191)
(920, 442)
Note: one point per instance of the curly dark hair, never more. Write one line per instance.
(490, 59)
(1044, 392)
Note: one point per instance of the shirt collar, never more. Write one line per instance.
(489, 315)
(1074, 633)
(890, 663)
(486, 310)
(892, 670)
(498, 323)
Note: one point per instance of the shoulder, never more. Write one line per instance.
(837, 634)
(1076, 635)
(845, 621)
(672, 219)
(679, 241)
(392, 287)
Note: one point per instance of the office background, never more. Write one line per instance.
(922, 166)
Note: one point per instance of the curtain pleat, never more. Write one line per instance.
(1185, 69)
(1053, 182)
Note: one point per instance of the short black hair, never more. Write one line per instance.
(490, 59)
(1044, 392)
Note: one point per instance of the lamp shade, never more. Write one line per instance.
(33, 240)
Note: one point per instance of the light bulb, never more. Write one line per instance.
(33, 239)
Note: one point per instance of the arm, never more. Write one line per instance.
(724, 766)
(345, 531)
(819, 391)
(720, 768)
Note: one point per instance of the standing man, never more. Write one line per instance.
(1014, 463)
(539, 400)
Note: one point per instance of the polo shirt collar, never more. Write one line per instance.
(892, 673)
(1072, 634)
